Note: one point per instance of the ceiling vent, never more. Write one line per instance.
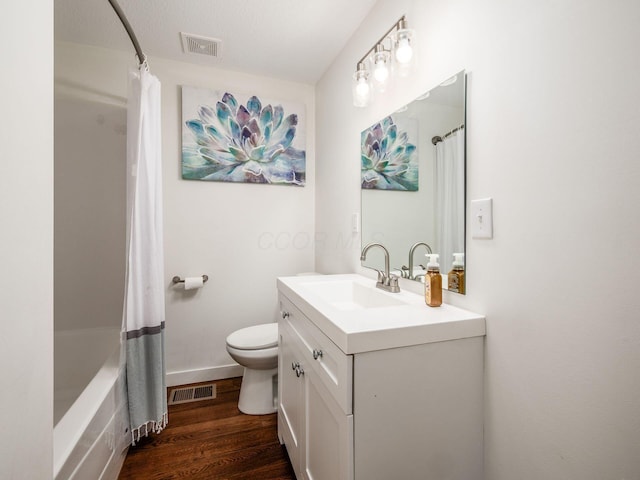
(201, 45)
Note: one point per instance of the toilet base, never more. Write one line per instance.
(258, 392)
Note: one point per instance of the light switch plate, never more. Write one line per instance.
(355, 223)
(482, 218)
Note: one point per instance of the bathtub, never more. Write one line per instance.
(90, 437)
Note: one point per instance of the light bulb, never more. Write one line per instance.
(380, 59)
(404, 51)
(381, 72)
(362, 88)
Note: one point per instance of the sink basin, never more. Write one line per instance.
(350, 295)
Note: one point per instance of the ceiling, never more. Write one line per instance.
(288, 39)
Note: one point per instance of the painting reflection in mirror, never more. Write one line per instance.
(426, 203)
(388, 155)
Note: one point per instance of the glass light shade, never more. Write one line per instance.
(405, 38)
(361, 87)
(381, 67)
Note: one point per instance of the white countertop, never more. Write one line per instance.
(364, 330)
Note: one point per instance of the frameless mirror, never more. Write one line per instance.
(413, 181)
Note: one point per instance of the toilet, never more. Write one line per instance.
(256, 349)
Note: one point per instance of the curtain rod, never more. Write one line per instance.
(437, 139)
(142, 59)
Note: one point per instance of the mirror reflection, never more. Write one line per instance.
(413, 183)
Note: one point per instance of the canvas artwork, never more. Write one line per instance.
(228, 137)
(389, 156)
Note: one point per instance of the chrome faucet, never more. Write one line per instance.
(386, 281)
(411, 252)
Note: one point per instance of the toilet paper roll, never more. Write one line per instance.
(191, 283)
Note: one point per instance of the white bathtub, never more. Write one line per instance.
(90, 437)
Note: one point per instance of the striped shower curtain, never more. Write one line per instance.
(143, 315)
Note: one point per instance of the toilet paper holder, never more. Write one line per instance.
(177, 279)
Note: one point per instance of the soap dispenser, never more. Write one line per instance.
(433, 282)
(455, 279)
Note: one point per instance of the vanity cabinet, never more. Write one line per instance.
(409, 412)
(291, 397)
(314, 407)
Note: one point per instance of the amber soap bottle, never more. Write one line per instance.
(455, 279)
(433, 282)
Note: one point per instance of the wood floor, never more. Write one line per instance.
(212, 440)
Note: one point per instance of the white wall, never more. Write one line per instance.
(26, 239)
(553, 130)
(242, 236)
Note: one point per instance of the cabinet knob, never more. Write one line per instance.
(285, 315)
(317, 354)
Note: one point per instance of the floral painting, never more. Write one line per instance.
(229, 138)
(389, 159)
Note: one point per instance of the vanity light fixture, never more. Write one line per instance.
(397, 42)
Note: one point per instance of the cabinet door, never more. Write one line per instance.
(328, 434)
(290, 396)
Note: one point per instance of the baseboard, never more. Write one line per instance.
(186, 377)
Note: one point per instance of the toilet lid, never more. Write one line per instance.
(254, 338)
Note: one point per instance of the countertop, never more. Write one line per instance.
(370, 329)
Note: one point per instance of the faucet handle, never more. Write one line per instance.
(381, 276)
(393, 284)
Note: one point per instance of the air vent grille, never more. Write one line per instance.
(192, 394)
(201, 45)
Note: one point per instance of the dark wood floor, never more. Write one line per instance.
(212, 440)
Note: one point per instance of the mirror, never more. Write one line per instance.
(413, 181)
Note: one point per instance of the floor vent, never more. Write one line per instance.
(201, 45)
(192, 394)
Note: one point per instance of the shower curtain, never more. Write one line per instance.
(450, 197)
(143, 316)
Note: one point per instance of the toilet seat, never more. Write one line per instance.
(258, 337)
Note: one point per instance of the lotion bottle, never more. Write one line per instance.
(433, 282)
(455, 279)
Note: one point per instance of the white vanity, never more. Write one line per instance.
(376, 385)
